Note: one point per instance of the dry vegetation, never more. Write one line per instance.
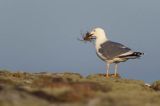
(71, 89)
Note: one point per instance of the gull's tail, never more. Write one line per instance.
(133, 55)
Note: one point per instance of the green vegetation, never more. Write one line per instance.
(71, 89)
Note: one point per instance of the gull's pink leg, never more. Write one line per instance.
(107, 67)
(116, 68)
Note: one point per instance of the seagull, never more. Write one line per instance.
(109, 51)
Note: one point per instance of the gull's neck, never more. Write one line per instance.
(100, 40)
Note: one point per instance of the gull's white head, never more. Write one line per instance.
(98, 34)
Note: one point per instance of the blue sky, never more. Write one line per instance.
(41, 35)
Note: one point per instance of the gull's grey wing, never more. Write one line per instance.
(111, 49)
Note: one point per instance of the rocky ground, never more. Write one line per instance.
(72, 89)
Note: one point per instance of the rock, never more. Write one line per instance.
(156, 85)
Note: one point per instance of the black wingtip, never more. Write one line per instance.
(133, 55)
(137, 54)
